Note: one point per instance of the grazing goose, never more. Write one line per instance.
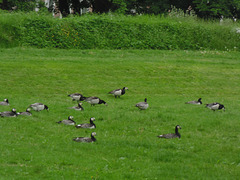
(169, 136)
(76, 97)
(118, 92)
(69, 121)
(12, 113)
(94, 100)
(86, 139)
(198, 102)
(78, 108)
(215, 106)
(26, 113)
(38, 107)
(86, 125)
(4, 102)
(142, 105)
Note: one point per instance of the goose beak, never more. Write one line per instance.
(106, 104)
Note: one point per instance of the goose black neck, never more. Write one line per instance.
(91, 121)
(176, 132)
(93, 138)
(101, 102)
(199, 100)
(123, 91)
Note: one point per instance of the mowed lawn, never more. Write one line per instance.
(127, 146)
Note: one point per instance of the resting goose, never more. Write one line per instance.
(86, 139)
(198, 102)
(76, 97)
(95, 100)
(142, 105)
(68, 121)
(38, 107)
(86, 125)
(26, 113)
(215, 106)
(118, 92)
(4, 102)
(12, 113)
(169, 136)
(78, 108)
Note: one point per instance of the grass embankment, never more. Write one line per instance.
(127, 147)
(117, 32)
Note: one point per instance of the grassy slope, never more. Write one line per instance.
(127, 146)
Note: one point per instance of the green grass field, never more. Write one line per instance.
(127, 147)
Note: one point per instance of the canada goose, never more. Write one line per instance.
(78, 108)
(4, 102)
(86, 125)
(86, 139)
(12, 113)
(198, 102)
(118, 92)
(27, 112)
(38, 107)
(94, 100)
(169, 136)
(69, 121)
(215, 106)
(142, 105)
(76, 97)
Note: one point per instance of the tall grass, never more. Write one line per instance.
(127, 147)
(112, 31)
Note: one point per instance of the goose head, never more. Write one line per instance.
(70, 118)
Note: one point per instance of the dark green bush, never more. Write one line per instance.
(124, 32)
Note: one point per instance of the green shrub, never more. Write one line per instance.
(111, 31)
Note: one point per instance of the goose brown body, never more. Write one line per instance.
(26, 113)
(215, 106)
(90, 125)
(142, 105)
(95, 100)
(12, 113)
(78, 108)
(118, 92)
(68, 121)
(77, 97)
(86, 139)
(172, 135)
(5, 102)
(198, 102)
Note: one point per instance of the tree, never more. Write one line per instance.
(101, 6)
(217, 8)
(64, 7)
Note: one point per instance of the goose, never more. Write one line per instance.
(169, 136)
(76, 97)
(12, 113)
(78, 108)
(215, 106)
(38, 107)
(86, 139)
(27, 112)
(142, 105)
(198, 102)
(86, 125)
(118, 92)
(95, 100)
(69, 121)
(4, 102)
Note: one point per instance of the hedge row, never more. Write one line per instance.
(117, 32)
